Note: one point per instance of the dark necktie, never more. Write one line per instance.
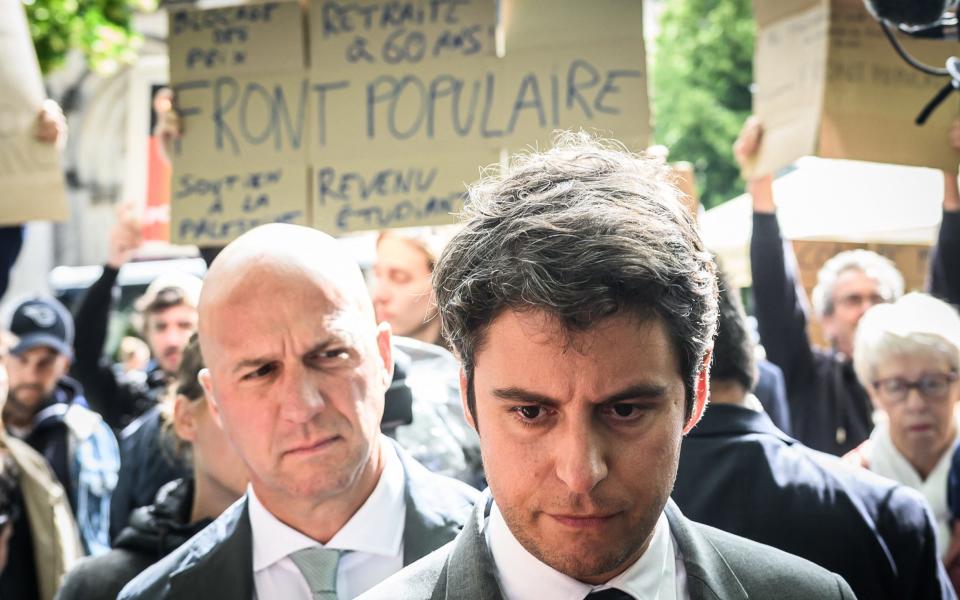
(609, 594)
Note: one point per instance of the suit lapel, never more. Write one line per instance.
(226, 569)
(469, 571)
(708, 575)
(427, 524)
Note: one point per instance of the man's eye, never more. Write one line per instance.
(625, 410)
(529, 413)
(262, 371)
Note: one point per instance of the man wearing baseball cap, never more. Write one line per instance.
(48, 411)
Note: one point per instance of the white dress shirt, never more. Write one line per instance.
(373, 538)
(657, 575)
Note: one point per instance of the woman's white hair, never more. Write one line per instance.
(914, 324)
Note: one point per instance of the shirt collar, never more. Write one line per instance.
(521, 575)
(376, 527)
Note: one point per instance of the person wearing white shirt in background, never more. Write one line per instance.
(582, 305)
(297, 371)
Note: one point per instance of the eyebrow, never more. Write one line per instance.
(642, 391)
(249, 363)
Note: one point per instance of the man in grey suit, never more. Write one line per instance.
(297, 372)
(583, 306)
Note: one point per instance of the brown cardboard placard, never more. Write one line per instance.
(873, 96)
(244, 102)
(399, 36)
(248, 38)
(378, 192)
(842, 91)
(30, 173)
(213, 207)
(414, 93)
(448, 113)
(789, 66)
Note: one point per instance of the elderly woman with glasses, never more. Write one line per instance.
(907, 355)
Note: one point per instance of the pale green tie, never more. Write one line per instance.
(319, 568)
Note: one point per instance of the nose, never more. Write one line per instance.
(915, 400)
(300, 397)
(581, 457)
(380, 293)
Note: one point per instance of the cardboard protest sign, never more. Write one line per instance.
(789, 67)
(402, 102)
(238, 79)
(30, 174)
(873, 96)
(829, 83)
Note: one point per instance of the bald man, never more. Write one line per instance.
(297, 369)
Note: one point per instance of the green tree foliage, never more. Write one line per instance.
(101, 29)
(702, 72)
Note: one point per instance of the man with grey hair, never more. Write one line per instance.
(582, 306)
(829, 409)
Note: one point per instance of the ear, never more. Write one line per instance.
(184, 420)
(702, 393)
(63, 365)
(463, 401)
(206, 381)
(385, 347)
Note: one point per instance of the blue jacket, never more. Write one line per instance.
(83, 452)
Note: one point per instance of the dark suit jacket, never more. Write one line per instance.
(741, 474)
(718, 565)
(218, 562)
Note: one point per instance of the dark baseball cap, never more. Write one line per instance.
(41, 321)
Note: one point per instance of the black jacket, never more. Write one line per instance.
(148, 461)
(118, 399)
(154, 532)
(741, 474)
(829, 409)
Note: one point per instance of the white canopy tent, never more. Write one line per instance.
(835, 200)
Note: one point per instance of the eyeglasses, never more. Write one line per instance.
(858, 300)
(935, 386)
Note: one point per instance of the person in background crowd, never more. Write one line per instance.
(183, 507)
(38, 535)
(907, 356)
(333, 506)
(168, 311)
(438, 435)
(51, 128)
(741, 474)
(830, 410)
(47, 410)
(134, 357)
(402, 295)
(582, 306)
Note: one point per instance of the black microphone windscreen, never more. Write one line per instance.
(912, 13)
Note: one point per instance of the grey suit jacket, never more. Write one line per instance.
(718, 565)
(217, 563)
